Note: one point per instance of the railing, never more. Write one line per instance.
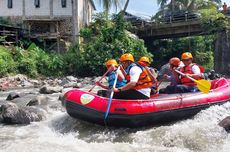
(8, 37)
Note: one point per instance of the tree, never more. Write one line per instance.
(107, 4)
(188, 5)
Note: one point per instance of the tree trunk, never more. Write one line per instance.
(173, 5)
(126, 5)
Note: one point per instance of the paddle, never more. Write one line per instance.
(203, 85)
(99, 80)
(111, 95)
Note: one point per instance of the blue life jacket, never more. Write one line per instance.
(111, 79)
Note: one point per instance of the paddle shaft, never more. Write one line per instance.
(99, 80)
(187, 76)
(203, 85)
(111, 95)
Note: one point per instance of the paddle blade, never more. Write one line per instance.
(203, 85)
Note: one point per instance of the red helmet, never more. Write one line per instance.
(174, 61)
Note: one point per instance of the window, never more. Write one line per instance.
(37, 3)
(63, 3)
(10, 4)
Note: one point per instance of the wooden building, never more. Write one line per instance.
(52, 21)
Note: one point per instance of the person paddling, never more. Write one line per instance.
(145, 62)
(190, 69)
(138, 80)
(111, 66)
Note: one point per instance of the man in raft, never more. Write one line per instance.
(171, 75)
(111, 66)
(138, 80)
(190, 69)
(145, 62)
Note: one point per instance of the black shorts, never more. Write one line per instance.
(129, 94)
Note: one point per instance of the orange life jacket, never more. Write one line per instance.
(144, 80)
(188, 70)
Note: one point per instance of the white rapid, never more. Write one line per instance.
(61, 133)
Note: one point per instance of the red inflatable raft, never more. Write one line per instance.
(136, 113)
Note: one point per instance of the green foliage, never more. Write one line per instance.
(2, 39)
(7, 64)
(202, 48)
(5, 20)
(106, 39)
(205, 59)
(32, 62)
(213, 21)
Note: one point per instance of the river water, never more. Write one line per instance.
(61, 133)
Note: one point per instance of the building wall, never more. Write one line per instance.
(15, 11)
(59, 11)
(44, 11)
(30, 9)
(24, 13)
(80, 12)
(84, 12)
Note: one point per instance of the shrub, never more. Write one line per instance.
(103, 40)
(7, 64)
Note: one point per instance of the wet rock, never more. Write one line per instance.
(73, 85)
(25, 100)
(12, 114)
(36, 114)
(78, 85)
(87, 81)
(39, 100)
(62, 99)
(12, 95)
(1, 118)
(19, 77)
(26, 83)
(71, 78)
(64, 82)
(50, 90)
(50, 82)
(35, 82)
(4, 85)
(225, 123)
(3, 102)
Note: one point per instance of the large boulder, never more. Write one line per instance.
(12, 114)
(30, 100)
(71, 78)
(12, 95)
(69, 81)
(25, 100)
(50, 90)
(27, 84)
(38, 100)
(73, 85)
(225, 123)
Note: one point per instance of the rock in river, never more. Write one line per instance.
(12, 114)
(50, 90)
(225, 123)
